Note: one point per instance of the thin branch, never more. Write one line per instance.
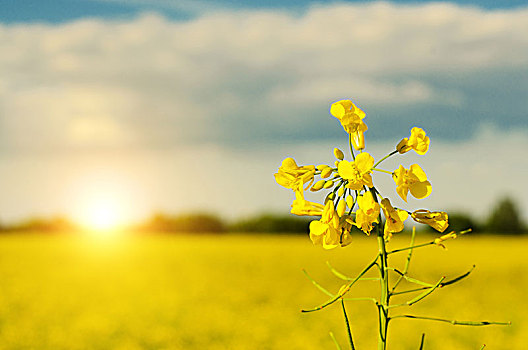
(343, 290)
(423, 244)
(335, 341)
(410, 279)
(456, 279)
(453, 322)
(426, 293)
(352, 347)
(345, 277)
(321, 288)
(443, 284)
(422, 341)
(411, 247)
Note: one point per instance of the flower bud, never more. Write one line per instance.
(326, 172)
(403, 147)
(341, 208)
(318, 185)
(330, 197)
(328, 184)
(341, 191)
(322, 167)
(349, 201)
(338, 154)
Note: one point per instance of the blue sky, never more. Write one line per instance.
(149, 97)
(56, 11)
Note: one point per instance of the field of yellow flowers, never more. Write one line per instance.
(245, 292)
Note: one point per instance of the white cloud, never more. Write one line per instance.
(205, 78)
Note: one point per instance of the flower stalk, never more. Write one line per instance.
(383, 308)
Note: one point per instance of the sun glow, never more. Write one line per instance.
(102, 215)
(105, 202)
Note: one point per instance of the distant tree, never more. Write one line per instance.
(461, 221)
(54, 224)
(505, 218)
(271, 223)
(193, 222)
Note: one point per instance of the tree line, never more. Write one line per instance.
(504, 218)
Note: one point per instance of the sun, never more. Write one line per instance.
(105, 202)
(101, 215)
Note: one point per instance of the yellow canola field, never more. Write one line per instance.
(245, 292)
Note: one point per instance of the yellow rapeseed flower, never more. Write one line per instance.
(325, 231)
(418, 141)
(290, 175)
(351, 118)
(436, 219)
(413, 180)
(357, 172)
(394, 218)
(368, 212)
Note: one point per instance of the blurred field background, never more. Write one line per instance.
(235, 291)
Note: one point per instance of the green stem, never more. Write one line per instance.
(352, 347)
(383, 171)
(387, 156)
(350, 145)
(407, 263)
(385, 295)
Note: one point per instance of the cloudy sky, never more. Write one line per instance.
(183, 105)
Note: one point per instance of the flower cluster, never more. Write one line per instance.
(353, 200)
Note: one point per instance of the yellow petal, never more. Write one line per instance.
(422, 147)
(402, 191)
(317, 227)
(289, 163)
(367, 180)
(403, 214)
(420, 189)
(340, 108)
(346, 169)
(364, 162)
(418, 172)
